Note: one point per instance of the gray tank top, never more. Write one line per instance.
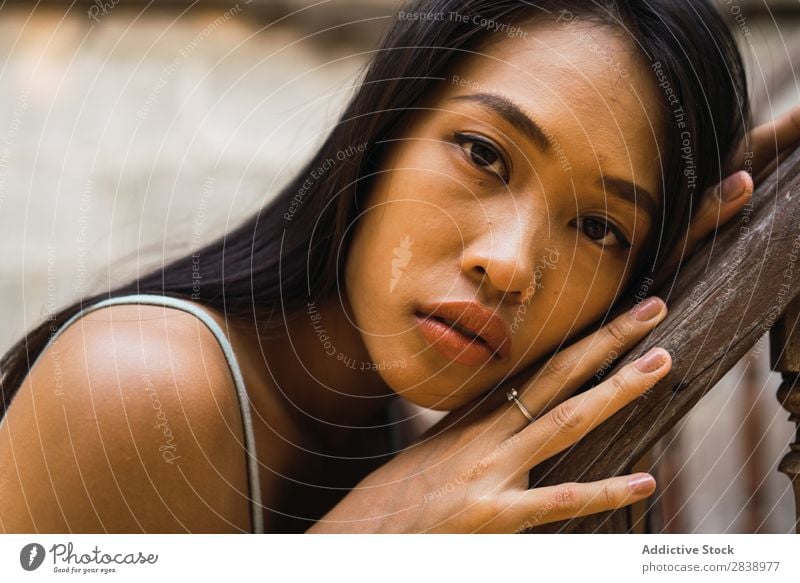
(244, 402)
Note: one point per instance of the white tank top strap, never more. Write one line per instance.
(241, 392)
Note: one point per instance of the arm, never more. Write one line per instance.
(116, 429)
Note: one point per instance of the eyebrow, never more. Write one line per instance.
(514, 115)
(626, 190)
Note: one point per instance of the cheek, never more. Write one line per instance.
(383, 251)
(361, 270)
(574, 291)
(412, 231)
(399, 248)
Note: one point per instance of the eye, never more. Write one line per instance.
(483, 154)
(604, 232)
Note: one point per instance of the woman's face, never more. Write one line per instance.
(525, 189)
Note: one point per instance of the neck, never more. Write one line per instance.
(320, 370)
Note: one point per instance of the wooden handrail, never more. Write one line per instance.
(785, 358)
(726, 296)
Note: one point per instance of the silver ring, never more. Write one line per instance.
(512, 396)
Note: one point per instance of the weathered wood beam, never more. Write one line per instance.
(724, 298)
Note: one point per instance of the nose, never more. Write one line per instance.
(501, 261)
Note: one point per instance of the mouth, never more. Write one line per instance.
(465, 332)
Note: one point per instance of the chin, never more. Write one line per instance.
(416, 372)
(428, 388)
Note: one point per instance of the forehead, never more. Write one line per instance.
(586, 84)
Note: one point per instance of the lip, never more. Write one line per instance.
(495, 338)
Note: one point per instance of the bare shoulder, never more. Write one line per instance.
(129, 422)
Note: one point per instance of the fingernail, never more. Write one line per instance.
(642, 484)
(646, 310)
(733, 187)
(651, 361)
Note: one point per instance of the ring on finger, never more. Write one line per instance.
(512, 396)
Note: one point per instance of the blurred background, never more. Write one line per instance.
(131, 131)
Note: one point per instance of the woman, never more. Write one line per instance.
(501, 178)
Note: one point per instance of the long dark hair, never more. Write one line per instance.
(266, 268)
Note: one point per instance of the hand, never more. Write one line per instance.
(768, 144)
(469, 472)
(757, 155)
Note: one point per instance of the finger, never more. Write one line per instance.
(770, 167)
(565, 371)
(717, 207)
(567, 423)
(564, 501)
(768, 140)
